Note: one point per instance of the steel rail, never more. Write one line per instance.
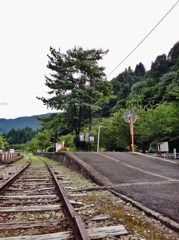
(75, 220)
(6, 184)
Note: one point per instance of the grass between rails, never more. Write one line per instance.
(104, 202)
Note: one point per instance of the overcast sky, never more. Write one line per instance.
(29, 27)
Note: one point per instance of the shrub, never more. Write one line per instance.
(64, 149)
(50, 149)
(151, 150)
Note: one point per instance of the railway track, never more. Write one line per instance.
(39, 202)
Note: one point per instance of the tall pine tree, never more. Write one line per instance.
(77, 84)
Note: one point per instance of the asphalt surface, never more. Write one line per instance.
(153, 182)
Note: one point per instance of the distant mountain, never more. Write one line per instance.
(22, 122)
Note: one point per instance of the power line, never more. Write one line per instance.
(143, 38)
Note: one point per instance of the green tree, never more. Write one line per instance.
(156, 125)
(172, 89)
(33, 145)
(20, 135)
(43, 139)
(56, 124)
(159, 67)
(54, 121)
(153, 125)
(40, 142)
(139, 70)
(166, 82)
(116, 134)
(121, 89)
(145, 128)
(2, 140)
(69, 141)
(77, 85)
(173, 56)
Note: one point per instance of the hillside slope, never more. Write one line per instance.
(22, 122)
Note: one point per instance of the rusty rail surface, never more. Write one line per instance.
(75, 220)
(6, 184)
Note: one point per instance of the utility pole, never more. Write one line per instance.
(130, 117)
(99, 136)
(90, 115)
(132, 133)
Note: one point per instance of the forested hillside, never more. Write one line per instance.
(89, 101)
(154, 96)
(158, 85)
(20, 136)
(19, 123)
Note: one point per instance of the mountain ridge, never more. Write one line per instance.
(21, 122)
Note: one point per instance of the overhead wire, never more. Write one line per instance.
(153, 45)
(144, 38)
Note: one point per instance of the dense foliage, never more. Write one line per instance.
(159, 84)
(79, 89)
(154, 96)
(2, 140)
(77, 85)
(20, 135)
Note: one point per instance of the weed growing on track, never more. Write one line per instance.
(104, 202)
(137, 224)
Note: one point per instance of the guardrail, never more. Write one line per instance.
(8, 156)
(171, 155)
(165, 155)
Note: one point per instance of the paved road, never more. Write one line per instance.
(154, 182)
